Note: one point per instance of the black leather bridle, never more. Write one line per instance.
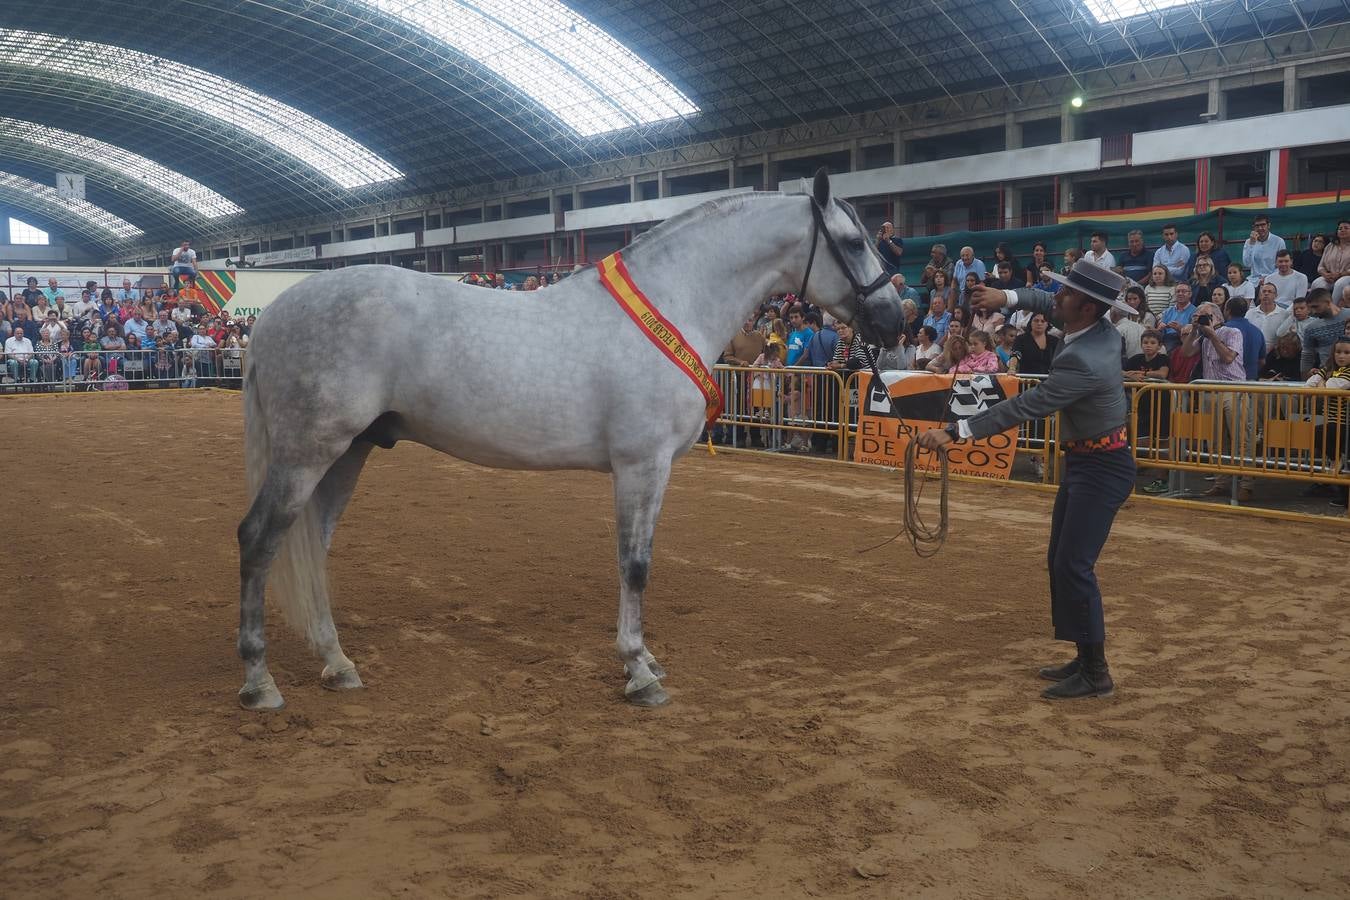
(860, 290)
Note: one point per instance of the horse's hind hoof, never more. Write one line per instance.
(263, 696)
(346, 680)
(650, 696)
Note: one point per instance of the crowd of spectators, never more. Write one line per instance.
(111, 339)
(1265, 313)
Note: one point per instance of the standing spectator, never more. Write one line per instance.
(112, 344)
(1333, 272)
(1160, 291)
(1309, 260)
(1260, 250)
(1177, 316)
(938, 318)
(965, 265)
(747, 344)
(19, 358)
(1289, 282)
(201, 346)
(890, 246)
(1238, 285)
(1220, 347)
(1327, 328)
(820, 347)
(48, 358)
(1097, 252)
(1135, 263)
(91, 365)
(1253, 341)
(938, 261)
(798, 335)
(942, 290)
(1172, 254)
(1206, 245)
(1298, 321)
(1034, 348)
(54, 328)
(1268, 315)
(232, 357)
(184, 265)
(1203, 279)
(1039, 260)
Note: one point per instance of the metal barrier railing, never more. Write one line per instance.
(774, 409)
(48, 371)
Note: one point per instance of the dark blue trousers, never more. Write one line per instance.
(1095, 486)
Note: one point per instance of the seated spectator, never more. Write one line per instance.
(1034, 348)
(1131, 333)
(1071, 256)
(938, 261)
(1238, 285)
(986, 320)
(1150, 361)
(1002, 254)
(960, 321)
(966, 265)
(181, 314)
(972, 281)
(1207, 245)
(51, 291)
(184, 265)
(1136, 262)
(1289, 283)
(1134, 296)
(1298, 320)
(1039, 260)
(980, 357)
(20, 359)
(126, 309)
(912, 321)
(1203, 278)
(943, 290)
(84, 307)
(938, 318)
(107, 306)
(1003, 277)
(1336, 376)
(954, 349)
(1260, 250)
(1097, 252)
(1281, 364)
(1177, 316)
(30, 293)
(1267, 315)
(1160, 291)
(904, 290)
(63, 312)
(926, 347)
(1333, 271)
(1327, 328)
(1309, 260)
(1172, 255)
(1007, 337)
(850, 353)
(128, 292)
(39, 310)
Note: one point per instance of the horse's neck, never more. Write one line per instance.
(708, 276)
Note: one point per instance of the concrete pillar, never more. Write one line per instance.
(1065, 194)
(1068, 129)
(1012, 134)
(1012, 206)
(1216, 109)
(731, 173)
(662, 185)
(855, 155)
(632, 188)
(897, 148)
(766, 167)
(1290, 88)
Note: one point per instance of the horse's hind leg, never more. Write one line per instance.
(283, 495)
(332, 495)
(638, 491)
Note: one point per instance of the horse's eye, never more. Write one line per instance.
(856, 245)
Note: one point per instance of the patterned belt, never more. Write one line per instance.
(1115, 439)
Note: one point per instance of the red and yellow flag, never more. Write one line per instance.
(614, 276)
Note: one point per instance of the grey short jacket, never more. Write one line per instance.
(1085, 383)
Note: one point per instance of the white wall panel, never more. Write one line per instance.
(1302, 128)
(640, 211)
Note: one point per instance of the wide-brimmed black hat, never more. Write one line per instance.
(1099, 283)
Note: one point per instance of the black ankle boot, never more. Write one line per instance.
(1059, 673)
(1093, 678)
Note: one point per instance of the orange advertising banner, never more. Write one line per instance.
(924, 401)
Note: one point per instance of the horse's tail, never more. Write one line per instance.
(299, 576)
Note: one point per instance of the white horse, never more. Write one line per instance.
(356, 358)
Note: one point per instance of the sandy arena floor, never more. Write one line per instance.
(841, 726)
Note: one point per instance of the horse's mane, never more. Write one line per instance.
(677, 222)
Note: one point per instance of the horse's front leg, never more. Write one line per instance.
(638, 490)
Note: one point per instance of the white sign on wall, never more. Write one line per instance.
(276, 257)
(69, 186)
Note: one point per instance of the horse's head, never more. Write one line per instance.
(854, 285)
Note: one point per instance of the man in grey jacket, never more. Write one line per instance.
(1085, 387)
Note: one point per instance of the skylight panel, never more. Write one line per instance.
(1106, 11)
(23, 233)
(566, 63)
(198, 197)
(326, 149)
(82, 210)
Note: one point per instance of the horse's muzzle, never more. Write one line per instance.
(880, 320)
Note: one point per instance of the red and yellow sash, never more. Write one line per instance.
(614, 276)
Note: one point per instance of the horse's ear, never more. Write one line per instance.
(821, 188)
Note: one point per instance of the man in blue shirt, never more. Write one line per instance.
(1172, 254)
(1177, 316)
(905, 291)
(890, 246)
(938, 317)
(820, 346)
(798, 338)
(1260, 249)
(967, 263)
(1136, 263)
(1253, 339)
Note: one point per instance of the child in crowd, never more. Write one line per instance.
(1153, 362)
(1238, 285)
(1159, 291)
(980, 358)
(91, 366)
(1336, 376)
(1007, 336)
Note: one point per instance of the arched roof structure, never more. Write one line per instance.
(405, 98)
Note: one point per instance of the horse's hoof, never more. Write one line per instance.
(346, 680)
(263, 696)
(656, 668)
(651, 695)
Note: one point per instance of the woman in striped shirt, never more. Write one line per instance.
(1159, 292)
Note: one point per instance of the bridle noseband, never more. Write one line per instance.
(860, 290)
